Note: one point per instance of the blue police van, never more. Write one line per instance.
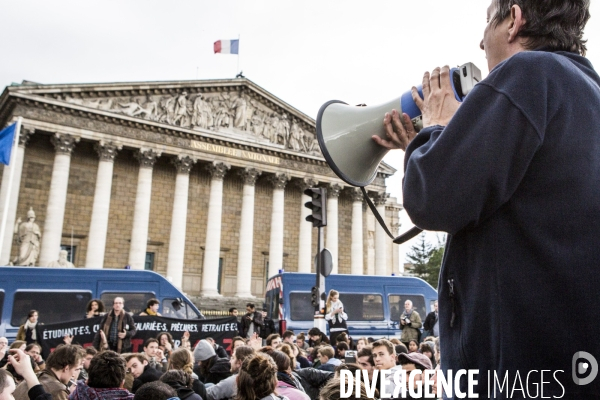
(62, 294)
(373, 303)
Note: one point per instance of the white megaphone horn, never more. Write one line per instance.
(344, 134)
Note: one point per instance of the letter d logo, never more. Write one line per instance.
(582, 367)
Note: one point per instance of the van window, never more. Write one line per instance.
(301, 308)
(397, 305)
(184, 312)
(272, 304)
(363, 307)
(135, 303)
(52, 307)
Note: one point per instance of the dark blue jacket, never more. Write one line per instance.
(515, 180)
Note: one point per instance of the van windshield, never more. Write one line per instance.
(52, 307)
(396, 304)
(135, 303)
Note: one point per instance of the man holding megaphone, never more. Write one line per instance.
(513, 175)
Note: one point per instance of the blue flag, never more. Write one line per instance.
(7, 136)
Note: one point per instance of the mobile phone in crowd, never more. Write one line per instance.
(350, 356)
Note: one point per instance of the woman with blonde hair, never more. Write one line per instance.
(183, 360)
(335, 315)
(257, 378)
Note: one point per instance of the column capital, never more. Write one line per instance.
(107, 151)
(356, 194)
(25, 135)
(63, 143)
(380, 198)
(183, 163)
(395, 226)
(146, 157)
(279, 181)
(305, 183)
(249, 175)
(333, 190)
(217, 170)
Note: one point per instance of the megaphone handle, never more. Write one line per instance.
(411, 233)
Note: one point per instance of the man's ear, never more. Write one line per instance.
(516, 23)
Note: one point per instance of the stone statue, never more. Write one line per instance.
(181, 110)
(28, 236)
(62, 261)
(295, 137)
(240, 112)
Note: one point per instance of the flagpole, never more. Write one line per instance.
(10, 183)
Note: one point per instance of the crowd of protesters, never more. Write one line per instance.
(260, 364)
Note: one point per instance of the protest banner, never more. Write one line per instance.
(222, 330)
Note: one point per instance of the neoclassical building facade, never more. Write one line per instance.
(200, 181)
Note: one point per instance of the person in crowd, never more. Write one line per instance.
(251, 322)
(227, 388)
(288, 337)
(90, 352)
(27, 330)
(21, 363)
(360, 343)
(344, 337)
(155, 390)
(3, 351)
(106, 375)
(287, 384)
(116, 329)
(301, 341)
(7, 385)
(152, 306)
(273, 340)
(364, 358)
(166, 343)
(257, 379)
(384, 358)
(332, 391)
(410, 323)
(314, 356)
(413, 346)
(34, 350)
(233, 312)
(340, 350)
(415, 361)
(212, 368)
(427, 351)
(156, 357)
(237, 341)
(183, 360)
(301, 360)
(316, 338)
(400, 349)
(62, 366)
(431, 326)
(182, 383)
(395, 341)
(327, 359)
(94, 308)
(219, 350)
(287, 349)
(268, 327)
(16, 375)
(312, 380)
(335, 315)
(138, 365)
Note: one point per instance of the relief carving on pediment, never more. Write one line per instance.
(226, 112)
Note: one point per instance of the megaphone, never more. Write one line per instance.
(344, 133)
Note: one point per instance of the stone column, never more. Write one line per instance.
(17, 164)
(277, 219)
(397, 264)
(356, 266)
(57, 198)
(331, 238)
(305, 255)
(141, 216)
(100, 210)
(184, 165)
(244, 264)
(212, 249)
(381, 237)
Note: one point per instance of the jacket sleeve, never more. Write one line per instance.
(457, 176)
(131, 331)
(222, 390)
(315, 377)
(429, 320)
(21, 333)
(415, 320)
(38, 393)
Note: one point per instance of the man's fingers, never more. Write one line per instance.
(409, 127)
(434, 80)
(425, 85)
(417, 98)
(445, 77)
(384, 143)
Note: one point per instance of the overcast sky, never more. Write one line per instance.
(304, 52)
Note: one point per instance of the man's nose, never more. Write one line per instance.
(481, 45)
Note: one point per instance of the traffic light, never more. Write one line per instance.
(318, 206)
(314, 296)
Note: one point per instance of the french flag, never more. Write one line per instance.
(227, 46)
